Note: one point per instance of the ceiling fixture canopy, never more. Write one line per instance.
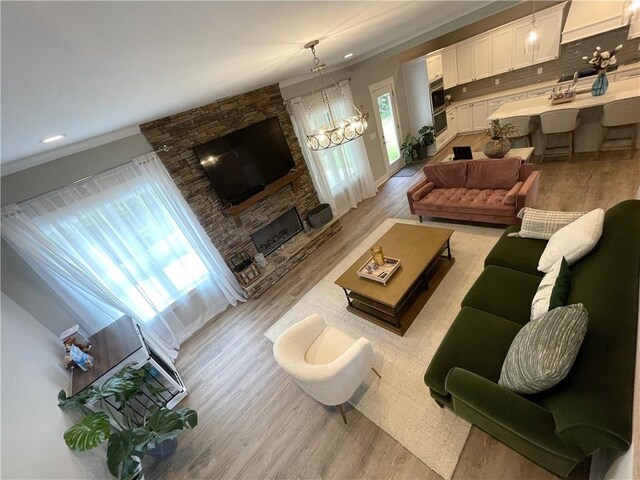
(532, 38)
(337, 131)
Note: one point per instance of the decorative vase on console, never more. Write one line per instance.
(498, 145)
(601, 60)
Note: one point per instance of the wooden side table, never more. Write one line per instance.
(122, 343)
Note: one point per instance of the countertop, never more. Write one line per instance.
(539, 86)
(619, 90)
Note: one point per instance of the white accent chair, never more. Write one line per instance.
(327, 363)
(617, 115)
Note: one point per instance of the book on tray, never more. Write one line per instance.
(379, 273)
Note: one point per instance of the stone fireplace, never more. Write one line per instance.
(277, 232)
(231, 235)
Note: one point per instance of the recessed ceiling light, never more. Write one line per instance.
(348, 55)
(55, 138)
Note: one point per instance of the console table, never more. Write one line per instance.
(122, 343)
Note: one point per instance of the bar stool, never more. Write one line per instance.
(559, 122)
(620, 114)
(524, 128)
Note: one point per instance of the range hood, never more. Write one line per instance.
(587, 18)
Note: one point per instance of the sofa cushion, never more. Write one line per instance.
(517, 253)
(553, 289)
(447, 174)
(476, 341)
(422, 191)
(503, 173)
(543, 352)
(503, 292)
(464, 200)
(542, 224)
(573, 241)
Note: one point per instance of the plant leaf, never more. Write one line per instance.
(89, 433)
(124, 452)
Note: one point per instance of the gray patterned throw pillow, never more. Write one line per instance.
(542, 353)
(542, 224)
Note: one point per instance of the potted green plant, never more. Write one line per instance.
(498, 144)
(113, 418)
(426, 137)
(409, 148)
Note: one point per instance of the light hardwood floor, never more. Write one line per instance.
(256, 423)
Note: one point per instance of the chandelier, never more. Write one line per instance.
(336, 132)
(532, 38)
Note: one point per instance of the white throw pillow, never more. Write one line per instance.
(573, 241)
(553, 290)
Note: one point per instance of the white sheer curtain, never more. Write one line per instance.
(125, 242)
(341, 175)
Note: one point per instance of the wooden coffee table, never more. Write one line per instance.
(423, 265)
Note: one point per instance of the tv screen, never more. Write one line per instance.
(242, 163)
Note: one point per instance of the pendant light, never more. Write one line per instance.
(532, 37)
(337, 131)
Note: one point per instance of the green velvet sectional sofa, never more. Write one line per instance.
(592, 407)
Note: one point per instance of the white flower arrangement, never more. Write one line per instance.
(602, 59)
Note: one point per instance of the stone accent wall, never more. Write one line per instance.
(185, 130)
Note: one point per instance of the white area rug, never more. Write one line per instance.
(400, 403)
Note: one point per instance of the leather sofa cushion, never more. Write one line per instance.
(447, 175)
(465, 200)
(423, 191)
(503, 173)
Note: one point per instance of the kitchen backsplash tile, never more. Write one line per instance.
(570, 60)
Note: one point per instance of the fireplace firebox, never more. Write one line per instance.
(279, 231)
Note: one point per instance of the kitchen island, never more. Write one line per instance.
(589, 131)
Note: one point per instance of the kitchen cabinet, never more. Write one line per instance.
(473, 59)
(472, 117)
(502, 50)
(520, 58)
(449, 67)
(434, 66)
(464, 62)
(482, 57)
(634, 27)
(548, 25)
(452, 121)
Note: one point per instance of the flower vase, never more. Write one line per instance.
(496, 147)
(600, 85)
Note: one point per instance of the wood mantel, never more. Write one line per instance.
(235, 210)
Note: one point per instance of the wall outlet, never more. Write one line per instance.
(464, 89)
(497, 81)
(373, 136)
(539, 70)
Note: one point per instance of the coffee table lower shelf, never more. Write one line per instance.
(399, 319)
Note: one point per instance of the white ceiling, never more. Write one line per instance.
(86, 69)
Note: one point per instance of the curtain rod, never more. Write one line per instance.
(164, 148)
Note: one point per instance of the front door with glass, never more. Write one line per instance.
(386, 115)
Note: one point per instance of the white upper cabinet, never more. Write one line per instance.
(548, 25)
(464, 61)
(634, 27)
(434, 66)
(502, 47)
(482, 57)
(449, 67)
(520, 58)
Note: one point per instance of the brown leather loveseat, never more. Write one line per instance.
(491, 191)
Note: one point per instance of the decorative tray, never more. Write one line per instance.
(379, 273)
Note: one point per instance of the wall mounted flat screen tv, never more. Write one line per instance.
(243, 162)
